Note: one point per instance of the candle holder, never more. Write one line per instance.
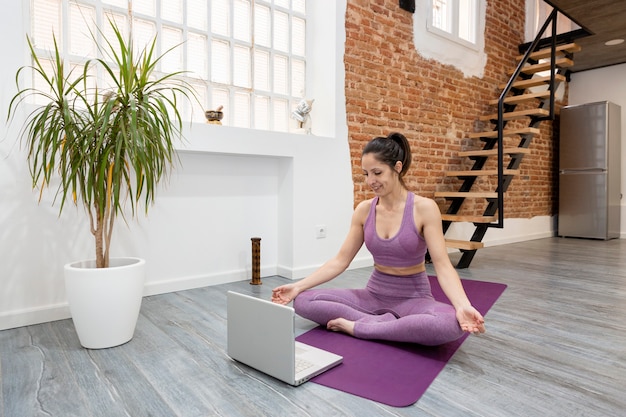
(256, 261)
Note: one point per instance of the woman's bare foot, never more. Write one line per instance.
(341, 325)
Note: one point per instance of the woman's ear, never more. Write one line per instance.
(398, 166)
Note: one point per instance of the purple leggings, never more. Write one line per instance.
(400, 309)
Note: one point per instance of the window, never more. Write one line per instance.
(537, 11)
(245, 55)
(455, 19)
(453, 33)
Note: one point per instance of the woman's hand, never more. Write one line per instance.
(470, 320)
(284, 294)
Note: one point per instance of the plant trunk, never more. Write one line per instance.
(102, 231)
(101, 261)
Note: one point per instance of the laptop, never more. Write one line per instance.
(261, 334)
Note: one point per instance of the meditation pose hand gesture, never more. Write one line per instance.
(397, 227)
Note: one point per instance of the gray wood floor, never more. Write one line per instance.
(555, 346)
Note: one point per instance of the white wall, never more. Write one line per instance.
(599, 85)
(233, 184)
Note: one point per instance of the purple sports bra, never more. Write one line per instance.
(407, 248)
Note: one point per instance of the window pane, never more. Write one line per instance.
(117, 3)
(241, 21)
(220, 62)
(298, 31)
(298, 6)
(120, 22)
(172, 60)
(261, 70)
(197, 14)
(262, 26)
(82, 31)
(46, 20)
(241, 66)
(172, 10)
(297, 78)
(282, 3)
(262, 112)
(202, 93)
(197, 55)
(441, 13)
(106, 83)
(143, 33)
(220, 17)
(147, 7)
(467, 20)
(281, 118)
(41, 85)
(281, 80)
(281, 31)
(242, 110)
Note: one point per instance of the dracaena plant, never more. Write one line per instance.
(107, 147)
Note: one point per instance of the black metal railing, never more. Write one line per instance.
(500, 122)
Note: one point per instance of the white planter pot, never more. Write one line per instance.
(105, 302)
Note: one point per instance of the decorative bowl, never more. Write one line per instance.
(213, 115)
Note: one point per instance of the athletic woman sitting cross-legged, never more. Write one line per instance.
(397, 227)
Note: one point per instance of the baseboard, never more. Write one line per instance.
(515, 230)
(37, 315)
(519, 238)
(203, 280)
(301, 272)
(44, 314)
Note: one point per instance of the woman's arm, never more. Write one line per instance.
(469, 318)
(334, 266)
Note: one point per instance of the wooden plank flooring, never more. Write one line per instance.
(555, 346)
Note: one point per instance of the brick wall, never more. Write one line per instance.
(390, 87)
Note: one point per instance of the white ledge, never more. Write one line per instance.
(219, 139)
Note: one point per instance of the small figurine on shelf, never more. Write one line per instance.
(302, 116)
(214, 117)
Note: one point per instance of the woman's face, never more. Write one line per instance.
(380, 177)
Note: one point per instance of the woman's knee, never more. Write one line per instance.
(301, 302)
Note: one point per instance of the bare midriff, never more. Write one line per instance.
(401, 270)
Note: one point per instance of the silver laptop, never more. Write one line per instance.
(261, 334)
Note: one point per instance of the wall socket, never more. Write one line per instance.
(320, 231)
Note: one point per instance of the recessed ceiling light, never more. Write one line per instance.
(613, 42)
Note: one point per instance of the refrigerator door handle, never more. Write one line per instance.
(581, 170)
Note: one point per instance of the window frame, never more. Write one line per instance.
(454, 23)
(283, 102)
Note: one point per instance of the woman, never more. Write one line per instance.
(397, 226)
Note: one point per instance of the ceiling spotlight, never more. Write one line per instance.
(614, 42)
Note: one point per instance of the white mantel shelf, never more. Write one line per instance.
(226, 140)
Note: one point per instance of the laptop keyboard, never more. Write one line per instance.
(302, 364)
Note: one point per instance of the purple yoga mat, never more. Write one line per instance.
(395, 374)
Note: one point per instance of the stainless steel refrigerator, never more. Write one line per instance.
(589, 171)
